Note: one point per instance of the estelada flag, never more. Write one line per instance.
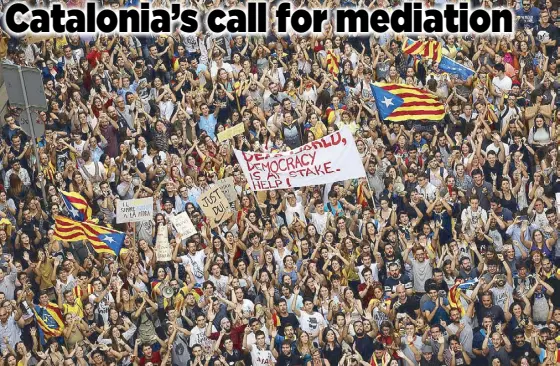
(427, 49)
(77, 205)
(102, 239)
(454, 297)
(333, 62)
(49, 319)
(399, 102)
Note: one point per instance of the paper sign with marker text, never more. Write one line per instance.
(135, 210)
(238, 129)
(163, 249)
(227, 186)
(183, 225)
(329, 159)
(215, 206)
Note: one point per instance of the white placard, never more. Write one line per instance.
(330, 159)
(163, 249)
(135, 210)
(183, 225)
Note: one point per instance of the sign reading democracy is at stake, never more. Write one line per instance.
(135, 210)
(330, 159)
(215, 206)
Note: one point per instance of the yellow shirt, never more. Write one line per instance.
(76, 309)
(317, 130)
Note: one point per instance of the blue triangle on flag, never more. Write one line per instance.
(386, 101)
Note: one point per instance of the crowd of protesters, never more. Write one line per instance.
(360, 272)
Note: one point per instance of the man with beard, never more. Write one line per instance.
(274, 97)
(235, 334)
(194, 258)
(421, 268)
(481, 189)
(466, 270)
(364, 344)
(462, 328)
(405, 304)
(499, 348)
(478, 339)
(521, 348)
(394, 279)
(287, 357)
(485, 307)
(287, 319)
(548, 355)
(501, 287)
(456, 354)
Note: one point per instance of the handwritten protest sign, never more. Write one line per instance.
(163, 249)
(215, 206)
(238, 129)
(183, 225)
(227, 186)
(136, 210)
(330, 159)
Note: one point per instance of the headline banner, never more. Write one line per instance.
(330, 159)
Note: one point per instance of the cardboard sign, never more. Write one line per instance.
(227, 186)
(137, 210)
(215, 206)
(330, 159)
(231, 132)
(183, 225)
(163, 249)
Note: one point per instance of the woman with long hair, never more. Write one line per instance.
(81, 185)
(304, 347)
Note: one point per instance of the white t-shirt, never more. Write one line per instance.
(198, 336)
(311, 322)
(261, 358)
(290, 211)
(220, 283)
(197, 263)
(320, 221)
(102, 306)
(374, 272)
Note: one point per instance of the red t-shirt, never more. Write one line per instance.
(155, 359)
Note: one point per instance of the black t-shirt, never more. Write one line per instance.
(524, 351)
(409, 307)
(364, 346)
(291, 360)
(550, 32)
(391, 283)
(442, 286)
(555, 297)
(290, 319)
(497, 169)
(495, 312)
(234, 357)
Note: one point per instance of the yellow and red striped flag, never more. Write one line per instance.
(427, 49)
(49, 318)
(102, 239)
(333, 62)
(399, 102)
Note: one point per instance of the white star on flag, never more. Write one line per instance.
(387, 101)
(108, 239)
(74, 212)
